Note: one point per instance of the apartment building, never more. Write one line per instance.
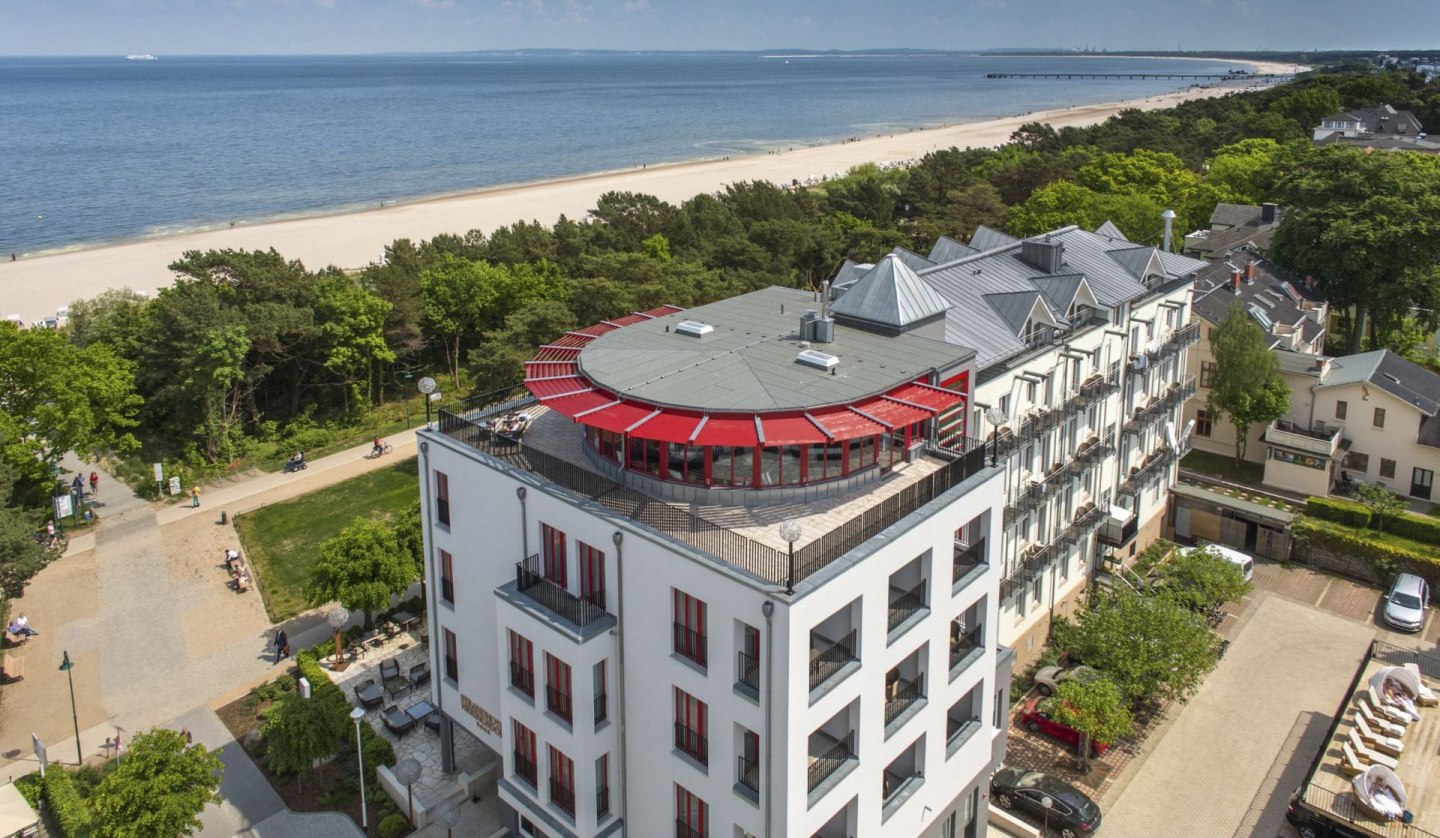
(730, 571)
(1081, 343)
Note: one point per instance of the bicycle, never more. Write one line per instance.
(385, 448)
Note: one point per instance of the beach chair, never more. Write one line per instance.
(1392, 714)
(1370, 755)
(1384, 744)
(1379, 725)
(1427, 697)
(1350, 764)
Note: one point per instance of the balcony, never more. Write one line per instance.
(602, 707)
(685, 830)
(1323, 441)
(692, 743)
(563, 796)
(747, 672)
(828, 658)
(965, 650)
(969, 559)
(958, 732)
(525, 769)
(1031, 565)
(559, 703)
(1161, 405)
(902, 696)
(1183, 337)
(530, 580)
(522, 679)
(602, 801)
(1141, 475)
(747, 775)
(1093, 451)
(827, 756)
(1119, 530)
(896, 788)
(903, 606)
(691, 644)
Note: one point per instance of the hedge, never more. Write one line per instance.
(72, 815)
(1345, 512)
(1415, 527)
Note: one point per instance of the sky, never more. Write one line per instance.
(250, 27)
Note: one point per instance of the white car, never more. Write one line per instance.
(1048, 679)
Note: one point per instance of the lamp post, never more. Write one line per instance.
(1047, 802)
(357, 714)
(65, 667)
(448, 813)
(998, 419)
(407, 773)
(426, 386)
(790, 531)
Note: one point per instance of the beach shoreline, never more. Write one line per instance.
(35, 286)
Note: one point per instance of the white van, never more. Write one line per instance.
(1247, 564)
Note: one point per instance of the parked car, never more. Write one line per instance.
(1048, 678)
(1035, 720)
(1235, 557)
(1070, 812)
(1405, 602)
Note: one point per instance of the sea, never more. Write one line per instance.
(102, 149)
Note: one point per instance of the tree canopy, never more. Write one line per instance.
(1095, 708)
(1198, 580)
(361, 567)
(1247, 387)
(159, 788)
(300, 732)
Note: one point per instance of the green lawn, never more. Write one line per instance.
(1223, 467)
(283, 541)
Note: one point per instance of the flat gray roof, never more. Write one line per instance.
(747, 364)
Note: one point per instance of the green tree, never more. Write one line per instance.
(1095, 708)
(1381, 502)
(300, 732)
(159, 788)
(118, 318)
(456, 295)
(20, 556)
(1198, 580)
(409, 536)
(217, 369)
(361, 567)
(1308, 106)
(1150, 647)
(1247, 385)
(352, 333)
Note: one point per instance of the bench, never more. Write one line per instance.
(13, 668)
(13, 639)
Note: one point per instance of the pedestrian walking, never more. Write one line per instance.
(194, 496)
(78, 484)
(94, 483)
(282, 646)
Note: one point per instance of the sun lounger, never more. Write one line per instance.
(1379, 725)
(1393, 714)
(1367, 754)
(1385, 744)
(1350, 764)
(1428, 698)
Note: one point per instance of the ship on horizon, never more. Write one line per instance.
(145, 57)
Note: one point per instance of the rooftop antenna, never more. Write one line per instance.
(1169, 216)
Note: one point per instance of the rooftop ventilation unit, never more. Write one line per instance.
(694, 328)
(817, 359)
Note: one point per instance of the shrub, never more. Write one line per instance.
(378, 751)
(1416, 527)
(71, 814)
(393, 826)
(1340, 511)
(31, 787)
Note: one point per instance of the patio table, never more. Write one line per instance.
(420, 709)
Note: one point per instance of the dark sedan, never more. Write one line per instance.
(1069, 810)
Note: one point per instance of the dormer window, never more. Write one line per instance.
(1079, 314)
(1035, 333)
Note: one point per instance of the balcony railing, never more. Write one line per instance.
(832, 754)
(1030, 566)
(903, 604)
(522, 679)
(1325, 443)
(958, 732)
(602, 801)
(748, 671)
(530, 580)
(902, 695)
(692, 743)
(967, 558)
(691, 644)
(602, 707)
(1161, 405)
(685, 830)
(747, 774)
(827, 658)
(963, 645)
(559, 703)
(563, 796)
(525, 768)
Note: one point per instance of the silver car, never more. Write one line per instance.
(1405, 602)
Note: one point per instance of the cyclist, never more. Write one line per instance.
(378, 449)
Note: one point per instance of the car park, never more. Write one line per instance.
(1048, 678)
(1405, 602)
(1070, 812)
(1035, 720)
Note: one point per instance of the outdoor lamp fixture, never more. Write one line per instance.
(998, 419)
(426, 386)
(790, 531)
(448, 813)
(357, 714)
(407, 773)
(1047, 803)
(338, 617)
(65, 667)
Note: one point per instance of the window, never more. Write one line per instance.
(1202, 423)
(602, 786)
(748, 769)
(524, 752)
(447, 577)
(1356, 461)
(1379, 417)
(562, 781)
(1039, 589)
(690, 727)
(442, 498)
(557, 688)
(552, 543)
(592, 574)
(692, 816)
(602, 698)
(747, 665)
(1387, 468)
(690, 639)
(522, 666)
(1341, 408)
(452, 657)
(1207, 373)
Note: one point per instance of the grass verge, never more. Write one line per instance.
(1223, 467)
(283, 541)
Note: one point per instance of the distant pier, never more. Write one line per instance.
(1182, 76)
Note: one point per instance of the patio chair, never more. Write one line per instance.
(419, 674)
(389, 669)
(1350, 764)
(397, 721)
(1384, 744)
(1392, 714)
(1379, 725)
(1366, 754)
(1427, 697)
(369, 694)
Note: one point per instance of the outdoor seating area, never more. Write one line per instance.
(241, 580)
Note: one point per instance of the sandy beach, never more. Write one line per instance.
(34, 287)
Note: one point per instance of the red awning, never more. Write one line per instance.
(893, 413)
(669, 427)
(550, 369)
(551, 352)
(790, 430)
(728, 430)
(572, 339)
(616, 418)
(549, 388)
(662, 311)
(579, 403)
(594, 331)
(924, 395)
(844, 423)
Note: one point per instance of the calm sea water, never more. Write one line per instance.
(100, 149)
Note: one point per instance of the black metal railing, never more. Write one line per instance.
(905, 603)
(692, 743)
(595, 598)
(1160, 406)
(964, 645)
(602, 707)
(967, 559)
(525, 768)
(902, 695)
(691, 644)
(559, 703)
(522, 679)
(602, 801)
(1025, 570)
(563, 796)
(747, 774)
(829, 759)
(964, 458)
(748, 671)
(530, 580)
(685, 830)
(827, 657)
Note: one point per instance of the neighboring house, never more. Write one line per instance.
(1080, 342)
(1233, 226)
(1379, 129)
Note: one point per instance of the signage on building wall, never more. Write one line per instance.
(488, 723)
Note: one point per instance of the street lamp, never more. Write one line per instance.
(357, 714)
(1046, 803)
(998, 419)
(65, 667)
(448, 813)
(407, 773)
(790, 531)
(426, 386)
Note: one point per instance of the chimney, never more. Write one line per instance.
(1169, 216)
(1269, 213)
(1044, 254)
(1249, 273)
(824, 299)
(1235, 279)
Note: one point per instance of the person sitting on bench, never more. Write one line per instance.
(231, 557)
(21, 626)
